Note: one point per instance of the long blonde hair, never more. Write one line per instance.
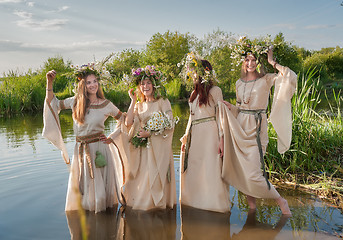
(82, 101)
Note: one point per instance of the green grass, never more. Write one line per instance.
(317, 137)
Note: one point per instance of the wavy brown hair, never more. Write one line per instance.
(82, 102)
(202, 89)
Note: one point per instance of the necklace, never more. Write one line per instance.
(245, 84)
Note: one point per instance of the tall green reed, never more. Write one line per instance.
(317, 137)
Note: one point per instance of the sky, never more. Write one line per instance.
(31, 31)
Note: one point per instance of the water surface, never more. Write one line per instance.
(34, 181)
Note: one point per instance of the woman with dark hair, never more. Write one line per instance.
(244, 126)
(201, 183)
(96, 169)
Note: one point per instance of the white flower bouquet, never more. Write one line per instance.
(157, 123)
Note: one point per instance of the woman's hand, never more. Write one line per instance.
(50, 76)
(104, 139)
(143, 134)
(227, 104)
(270, 57)
(221, 147)
(132, 95)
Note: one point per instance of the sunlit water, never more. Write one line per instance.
(34, 179)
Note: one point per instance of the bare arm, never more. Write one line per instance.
(130, 111)
(50, 77)
(271, 60)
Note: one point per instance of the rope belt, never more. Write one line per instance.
(84, 147)
(189, 136)
(258, 118)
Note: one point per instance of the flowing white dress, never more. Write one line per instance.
(103, 189)
(149, 171)
(241, 161)
(201, 183)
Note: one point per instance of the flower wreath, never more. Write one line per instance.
(245, 47)
(98, 69)
(192, 64)
(149, 72)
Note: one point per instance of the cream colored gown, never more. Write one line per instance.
(201, 183)
(149, 171)
(103, 190)
(241, 161)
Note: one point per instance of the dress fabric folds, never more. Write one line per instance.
(149, 171)
(241, 160)
(100, 188)
(201, 184)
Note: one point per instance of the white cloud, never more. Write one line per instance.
(10, 1)
(23, 14)
(319, 26)
(16, 46)
(60, 9)
(47, 24)
(30, 4)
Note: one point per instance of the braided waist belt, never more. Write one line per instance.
(189, 136)
(84, 147)
(258, 118)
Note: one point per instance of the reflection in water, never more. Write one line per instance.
(254, 229)
(149, 225)
(200, 224)
(101, 226)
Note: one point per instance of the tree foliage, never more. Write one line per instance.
(166, 50)
(123, 62)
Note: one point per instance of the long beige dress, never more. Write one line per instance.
(100, 188)
(241, 161)
(149, 171)
(201, 183)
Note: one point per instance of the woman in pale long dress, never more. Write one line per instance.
(245, 128)
(201, 184)
(98, 181)
(150, 176)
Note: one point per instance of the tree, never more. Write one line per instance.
(166, 50)
(286, 54)
(123, 62)
(60, 66)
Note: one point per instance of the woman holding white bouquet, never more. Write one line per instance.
(201, 184)
(150, 176)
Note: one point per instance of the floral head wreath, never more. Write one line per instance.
(149, 72)
(245, 47)
(192, 64)
(98, 69)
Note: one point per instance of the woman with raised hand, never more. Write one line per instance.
(96, 170)
(150, 176)
(244, 126)
(201, 184)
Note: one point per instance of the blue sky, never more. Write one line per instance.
(81, 31)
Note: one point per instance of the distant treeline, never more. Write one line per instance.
(25, 92)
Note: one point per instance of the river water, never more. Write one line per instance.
(34, 179)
